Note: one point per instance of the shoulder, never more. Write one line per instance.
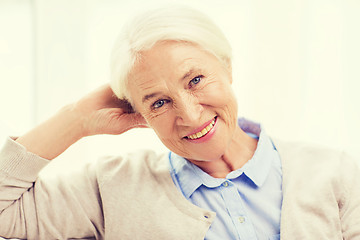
(306, 154)
(131, 165)
(309, 164)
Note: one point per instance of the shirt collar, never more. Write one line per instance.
(185, 174)
(258, 167)
(190, 177)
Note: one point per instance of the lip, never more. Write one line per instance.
(201, 127)
(207, 136)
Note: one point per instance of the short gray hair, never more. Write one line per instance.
(175, 23)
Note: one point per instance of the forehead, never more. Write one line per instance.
(168, 58)
(162, 67)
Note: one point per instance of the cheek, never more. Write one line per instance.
(232, 103)
(218, 95)
(162, 125)
(169, 137)
(152, 118)
(223, 102)
(231, 110)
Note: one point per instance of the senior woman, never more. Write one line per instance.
(224, 178)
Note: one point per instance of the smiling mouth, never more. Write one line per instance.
(203, 132)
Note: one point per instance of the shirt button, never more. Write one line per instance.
(206, 215)
(225, 184)
(241, 219)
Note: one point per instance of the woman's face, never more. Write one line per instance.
(185, 95)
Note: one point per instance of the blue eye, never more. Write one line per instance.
(158, 103)
(195, 81)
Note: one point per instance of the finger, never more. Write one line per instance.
(123, 104)
(138, 120)
(133, 120)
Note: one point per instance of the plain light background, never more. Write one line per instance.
(296, 66)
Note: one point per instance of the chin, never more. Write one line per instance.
(209, 153)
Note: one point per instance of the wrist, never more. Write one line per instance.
(80, 117)
(74, 121)
(54, 136)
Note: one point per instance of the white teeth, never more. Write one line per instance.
(202, 132)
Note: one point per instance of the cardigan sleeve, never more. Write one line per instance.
(349, 203)
(59, 207)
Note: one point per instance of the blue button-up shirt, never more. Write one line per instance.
(247, 202)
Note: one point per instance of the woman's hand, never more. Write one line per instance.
(99, 112)
(104, 113)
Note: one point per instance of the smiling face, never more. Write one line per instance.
(185, 95)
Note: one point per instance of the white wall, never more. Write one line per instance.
(16, 66)
(295, 68)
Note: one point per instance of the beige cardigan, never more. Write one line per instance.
(134, 198)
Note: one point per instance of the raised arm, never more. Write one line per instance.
(58, 208)
(100, 112)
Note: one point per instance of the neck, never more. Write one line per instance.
(241, 149)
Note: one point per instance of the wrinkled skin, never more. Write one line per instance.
(177, 88)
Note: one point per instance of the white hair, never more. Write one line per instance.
(176, 23)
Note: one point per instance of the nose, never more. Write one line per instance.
(188, 110)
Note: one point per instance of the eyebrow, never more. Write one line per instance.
(149, 96)
(152, 95)
(187, 74)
